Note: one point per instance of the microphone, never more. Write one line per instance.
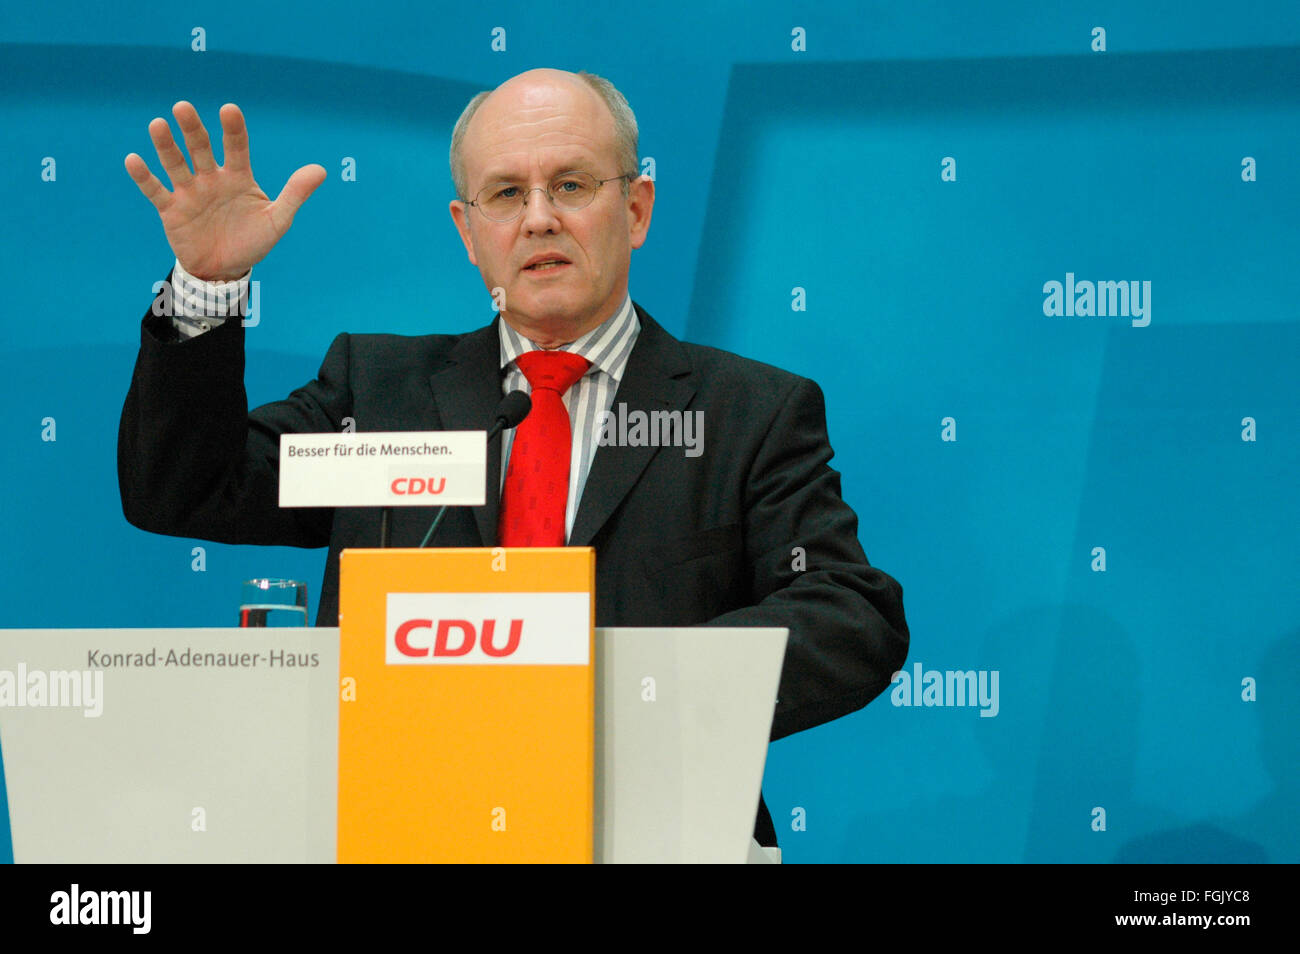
(512, 410)
(514, 407)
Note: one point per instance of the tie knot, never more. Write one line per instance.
(554, 370)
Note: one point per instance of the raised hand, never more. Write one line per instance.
(218, 220)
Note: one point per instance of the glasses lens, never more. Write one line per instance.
(573, 190)
(501, 202)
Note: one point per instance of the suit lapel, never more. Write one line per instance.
(466, 390)
(656, 379)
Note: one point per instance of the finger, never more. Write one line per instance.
(196, 137)
(295, 192)
(169, 154)
(234, 138)
(153, 189)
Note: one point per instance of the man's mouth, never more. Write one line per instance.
(546, 265)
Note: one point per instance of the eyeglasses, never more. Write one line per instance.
(568, 192)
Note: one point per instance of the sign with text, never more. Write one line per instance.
(384, 469)
(167, 746)
(470, 736)
(485, 628)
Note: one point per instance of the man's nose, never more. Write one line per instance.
(539, 214)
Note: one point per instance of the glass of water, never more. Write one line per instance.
(273, 603)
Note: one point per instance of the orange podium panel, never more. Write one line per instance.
(467, 705)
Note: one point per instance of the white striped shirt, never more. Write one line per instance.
(199, 306)
(607, 347)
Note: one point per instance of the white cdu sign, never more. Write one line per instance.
(384, 469)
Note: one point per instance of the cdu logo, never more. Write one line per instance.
(404, 486)
(485, 629)
(458, 637)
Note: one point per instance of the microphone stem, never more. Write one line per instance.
(496, 429)
(433, 528)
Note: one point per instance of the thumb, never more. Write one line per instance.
(295, 192)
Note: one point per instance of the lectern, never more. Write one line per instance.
(299, 744)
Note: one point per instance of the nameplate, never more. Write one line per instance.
(476, 629)
(383, 469)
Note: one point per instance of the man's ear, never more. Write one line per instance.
(640, 205)
(460, 215)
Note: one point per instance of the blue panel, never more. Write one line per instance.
(6, 840)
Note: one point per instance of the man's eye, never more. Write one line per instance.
(569, 186)
(506, 192)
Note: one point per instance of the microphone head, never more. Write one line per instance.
(514, 407)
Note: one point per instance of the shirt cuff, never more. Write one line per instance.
(199, 306)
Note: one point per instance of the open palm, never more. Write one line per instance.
(218, 220)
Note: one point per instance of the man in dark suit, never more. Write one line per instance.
(743, 525)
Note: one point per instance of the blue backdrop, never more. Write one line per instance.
(1099, 512)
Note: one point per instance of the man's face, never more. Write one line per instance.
(535, 126)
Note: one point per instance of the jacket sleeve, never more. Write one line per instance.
(848, 634)
(192, 461)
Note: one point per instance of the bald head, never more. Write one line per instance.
(522, 101)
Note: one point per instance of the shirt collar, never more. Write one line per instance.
(606, 346)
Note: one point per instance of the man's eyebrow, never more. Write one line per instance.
(573, 165)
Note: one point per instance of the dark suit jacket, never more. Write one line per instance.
(680, 541)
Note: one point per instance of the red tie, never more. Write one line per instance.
(537, 481)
